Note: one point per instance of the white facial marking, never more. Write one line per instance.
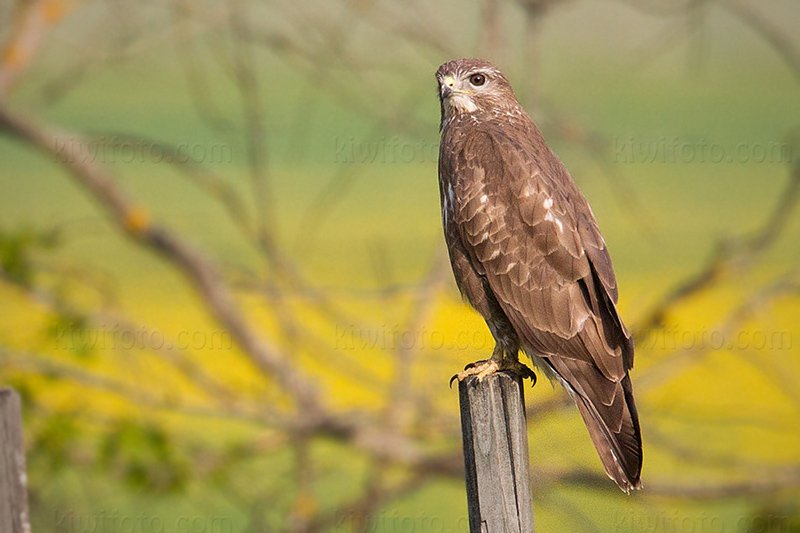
(463, 103)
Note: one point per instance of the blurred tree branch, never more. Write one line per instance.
(135, 223)
(32, 19)
(731, 257)
(403, 436)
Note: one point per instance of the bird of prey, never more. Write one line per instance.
(527, 254)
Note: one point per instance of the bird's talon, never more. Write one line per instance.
(481, 369)
(452, 379)
(473, 365)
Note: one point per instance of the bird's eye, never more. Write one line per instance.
(477, 79)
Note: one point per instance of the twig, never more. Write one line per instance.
(778, 40)
(135, 223)
(731, 257)
(32, 21)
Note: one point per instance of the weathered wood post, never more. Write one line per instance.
(13, 479)
(495, 436)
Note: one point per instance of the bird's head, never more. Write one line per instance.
(473, 86)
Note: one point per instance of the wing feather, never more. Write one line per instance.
(536, 240)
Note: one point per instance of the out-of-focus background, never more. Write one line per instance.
(224, 294)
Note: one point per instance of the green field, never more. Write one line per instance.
(662, 214)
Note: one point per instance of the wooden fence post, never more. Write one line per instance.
(13, 479)
(495, 436)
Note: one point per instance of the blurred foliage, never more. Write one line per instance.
(130, 402)
(55, 440)
(16, 248)
(144, 457)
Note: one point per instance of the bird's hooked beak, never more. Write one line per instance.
(448, 86)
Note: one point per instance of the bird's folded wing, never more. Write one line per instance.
(530, 232)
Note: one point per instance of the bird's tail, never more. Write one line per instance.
(617, 439)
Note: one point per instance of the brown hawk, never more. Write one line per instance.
(527, 254)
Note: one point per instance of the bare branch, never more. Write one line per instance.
(732, 257)
(135, 223)
(779, 41)
(32, 18)
(761, 483)
(246, 75)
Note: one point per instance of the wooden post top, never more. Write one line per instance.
(495, 436)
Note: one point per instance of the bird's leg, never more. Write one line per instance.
(499, 361)
(511, 362)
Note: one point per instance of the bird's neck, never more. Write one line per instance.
(511, 114)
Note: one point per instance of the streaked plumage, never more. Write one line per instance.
(527, 253)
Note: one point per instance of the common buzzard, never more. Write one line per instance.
(527, 254)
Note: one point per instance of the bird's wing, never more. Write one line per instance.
(534, 238)
(530, 232)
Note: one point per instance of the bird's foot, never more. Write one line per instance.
(481, 369)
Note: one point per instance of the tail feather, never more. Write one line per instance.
(620, 451)
(609, 412)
